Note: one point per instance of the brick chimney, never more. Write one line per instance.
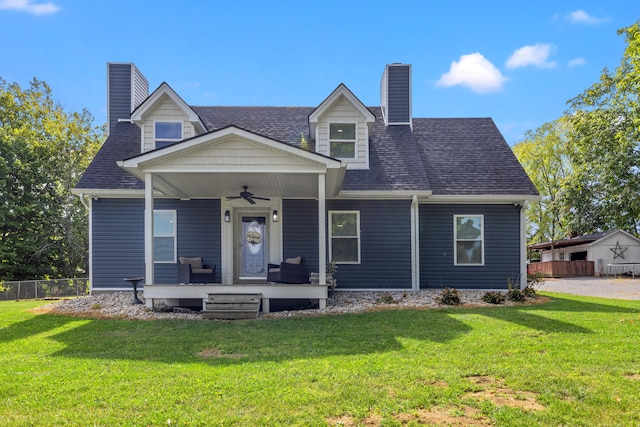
(126, 89)
(395, 94)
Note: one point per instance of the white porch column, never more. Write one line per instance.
(322, 230)
(148, 228)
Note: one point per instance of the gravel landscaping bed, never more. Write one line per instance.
(118, 304)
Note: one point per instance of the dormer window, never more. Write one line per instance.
(342, 140)
(167, 133)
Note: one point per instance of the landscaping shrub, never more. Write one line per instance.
(386, 298)
(514, 293)
(517, 295)
(450, 296)
(494, 297)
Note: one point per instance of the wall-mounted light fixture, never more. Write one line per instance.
(227, 216)
(275, 216)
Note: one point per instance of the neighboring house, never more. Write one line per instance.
(612, 252)
(396, 202)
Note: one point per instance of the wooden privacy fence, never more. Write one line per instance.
(562, 268)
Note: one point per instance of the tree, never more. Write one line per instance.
(43, 151)
(544, 155)
(606, 147)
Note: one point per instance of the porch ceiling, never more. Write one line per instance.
(219, 185)
(220, 163)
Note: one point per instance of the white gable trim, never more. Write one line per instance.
(156, 97)
(156, 156)
(344, 91)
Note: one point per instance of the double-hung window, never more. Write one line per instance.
(164, 236)
(342, 140)
(344, 234)
(469, 239)
(167, 133)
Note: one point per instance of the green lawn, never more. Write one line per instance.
(570, 361)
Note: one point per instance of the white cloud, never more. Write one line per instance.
(536, 55)
(576, 62)
(29, 6)
(582, 17)
(475, 72)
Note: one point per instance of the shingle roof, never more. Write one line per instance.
(103, 173)
(446, 156)
(469, 157)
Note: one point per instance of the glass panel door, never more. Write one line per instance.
(253, 248)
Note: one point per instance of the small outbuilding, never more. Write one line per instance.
(609, 252)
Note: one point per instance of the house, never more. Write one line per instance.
(609, 252)
(396, 202)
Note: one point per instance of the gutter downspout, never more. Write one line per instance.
(415, 244)
(523, 244)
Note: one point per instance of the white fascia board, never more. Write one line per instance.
(520, 199)
(383, 195)
(193, 143)
(116, 194)
(108, 193)
(165, 89)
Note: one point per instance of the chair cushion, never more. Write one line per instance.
(296, 260)
(196, 263)
(201, 270)
(274, 270)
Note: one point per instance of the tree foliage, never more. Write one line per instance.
(43, 151)
(606, 151)
(586, 164)
(544, 155)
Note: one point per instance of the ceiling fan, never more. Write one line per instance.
(247, 195)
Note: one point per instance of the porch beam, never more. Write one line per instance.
(148, 228)
(169, 189)
(322, 229)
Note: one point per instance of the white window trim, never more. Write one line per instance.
(175, 235)
(171, 140)
(331, 237)
(455, 240)
(355, 140)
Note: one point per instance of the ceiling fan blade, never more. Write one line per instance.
(260, 198)
(250, 200)
(233, 197)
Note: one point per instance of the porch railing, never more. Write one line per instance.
(35, 289)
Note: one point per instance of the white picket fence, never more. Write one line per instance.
(35, 289)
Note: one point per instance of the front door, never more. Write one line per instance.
(252, 248)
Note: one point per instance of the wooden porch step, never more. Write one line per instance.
(231, 306)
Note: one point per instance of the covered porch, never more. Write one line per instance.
(226, 165)
(267, 292)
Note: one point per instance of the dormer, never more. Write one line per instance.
(341, 126)
(164, 119)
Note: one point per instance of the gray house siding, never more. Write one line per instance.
(198, 235)
(501, 246)
(385, 245)
(118, 238)
(300, 231)
(119, 87)
(399, 92)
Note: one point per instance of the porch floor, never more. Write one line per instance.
(267, 290)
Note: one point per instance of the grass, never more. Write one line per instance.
(570, 361)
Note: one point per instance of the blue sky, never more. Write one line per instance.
(515, 61)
